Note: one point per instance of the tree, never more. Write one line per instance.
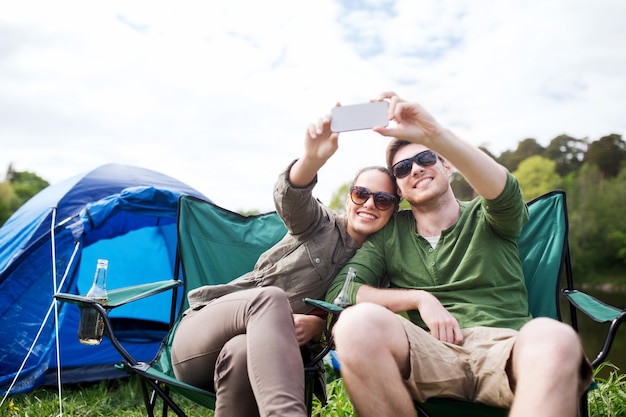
(19, 187)
(525, 149)
(614, 222)
(567, 152)
(597, 224)
(460, 186)
(607, 154)
(27, 184)
(537, 175)
(8, 201)
(338, 200)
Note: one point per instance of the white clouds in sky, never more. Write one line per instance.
(219, 94)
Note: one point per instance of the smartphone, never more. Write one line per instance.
(359, 116)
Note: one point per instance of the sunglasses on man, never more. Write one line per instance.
(424, 159)
(382, 201)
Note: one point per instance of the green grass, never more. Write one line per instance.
(123, 398)
(609, 400)
(104, 399)
(338, 403)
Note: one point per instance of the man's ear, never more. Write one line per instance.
(447, 166)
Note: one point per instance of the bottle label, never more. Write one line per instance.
(91, 327)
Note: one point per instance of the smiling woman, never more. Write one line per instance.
(231, 359)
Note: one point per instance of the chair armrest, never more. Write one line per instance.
(601, 313)
(326, 340)
(323, 305)
(592, 307)
(121, 296)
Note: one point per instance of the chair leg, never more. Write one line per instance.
(164, 412)
(308, 395)
(420, 410)
(167, 401)
(147, 399)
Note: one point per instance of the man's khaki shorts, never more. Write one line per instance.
(474, 371)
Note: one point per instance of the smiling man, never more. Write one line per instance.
(454, 268)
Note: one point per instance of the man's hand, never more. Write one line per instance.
(442, 324)
(307, 327)
(413, 122)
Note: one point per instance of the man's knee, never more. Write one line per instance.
(367, 330)
(550, 339)
(365, 325)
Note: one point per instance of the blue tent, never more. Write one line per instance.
(121, 213)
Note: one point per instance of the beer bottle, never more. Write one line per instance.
(91, 327)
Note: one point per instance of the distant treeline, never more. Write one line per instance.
(16, 189)
(592, 173)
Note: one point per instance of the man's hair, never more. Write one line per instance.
(394, 146)
(392, 149)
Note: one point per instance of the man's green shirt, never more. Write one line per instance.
(474, 270)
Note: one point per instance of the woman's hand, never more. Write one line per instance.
(308, 327)
(320, 143)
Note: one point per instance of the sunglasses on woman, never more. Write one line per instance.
(424, 159)
(382, 201)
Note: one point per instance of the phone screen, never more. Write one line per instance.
(359, 116)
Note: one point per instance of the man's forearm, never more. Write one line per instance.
(481, 171)
(395, 299)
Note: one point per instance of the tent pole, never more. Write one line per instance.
(43, 323)
(56, 308)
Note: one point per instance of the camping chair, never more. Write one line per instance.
(214, 246)
(544, 252)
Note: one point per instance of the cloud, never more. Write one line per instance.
(219, 95)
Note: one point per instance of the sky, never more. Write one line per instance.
(219, 94)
